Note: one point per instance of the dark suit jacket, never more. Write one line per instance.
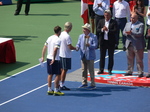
(111, 34)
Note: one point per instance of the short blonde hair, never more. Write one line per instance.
(67, 25)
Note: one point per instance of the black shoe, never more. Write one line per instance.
(16, 13)
(116, 47)
(140, 75)
(100, 72)
(124, 48)
(127, 74)
(26, 14)
(148, 76)
(110, 73)
(64, 88)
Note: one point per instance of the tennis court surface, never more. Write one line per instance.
(26, 92)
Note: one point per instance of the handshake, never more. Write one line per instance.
(77, 48)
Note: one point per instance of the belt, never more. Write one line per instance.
(120, 18)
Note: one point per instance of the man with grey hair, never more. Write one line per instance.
(107, 29)
(65, 53)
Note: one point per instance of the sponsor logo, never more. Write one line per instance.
(120, 83)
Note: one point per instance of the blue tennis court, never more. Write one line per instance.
(27, 91)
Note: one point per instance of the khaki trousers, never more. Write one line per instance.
(133, 54)
(88, 65)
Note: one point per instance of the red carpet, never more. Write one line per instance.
(118, 78)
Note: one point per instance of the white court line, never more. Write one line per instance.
(26, 92)
(22, 95)
(108, 56)
(35, 88)
(20, 72)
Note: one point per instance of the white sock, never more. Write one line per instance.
(49, 89)
(61, 84)
(56, 89)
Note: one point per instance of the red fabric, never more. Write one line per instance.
(111, 3)
(132, 4)
(120, 79)
(85, 1)
(7, 52)
(84, 11)
(90, 2)
(85, 17)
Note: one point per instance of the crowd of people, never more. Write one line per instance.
(107, 22)
(129, 22)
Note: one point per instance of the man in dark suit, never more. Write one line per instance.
(107, 29)
(135, 44)
(19, 5)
